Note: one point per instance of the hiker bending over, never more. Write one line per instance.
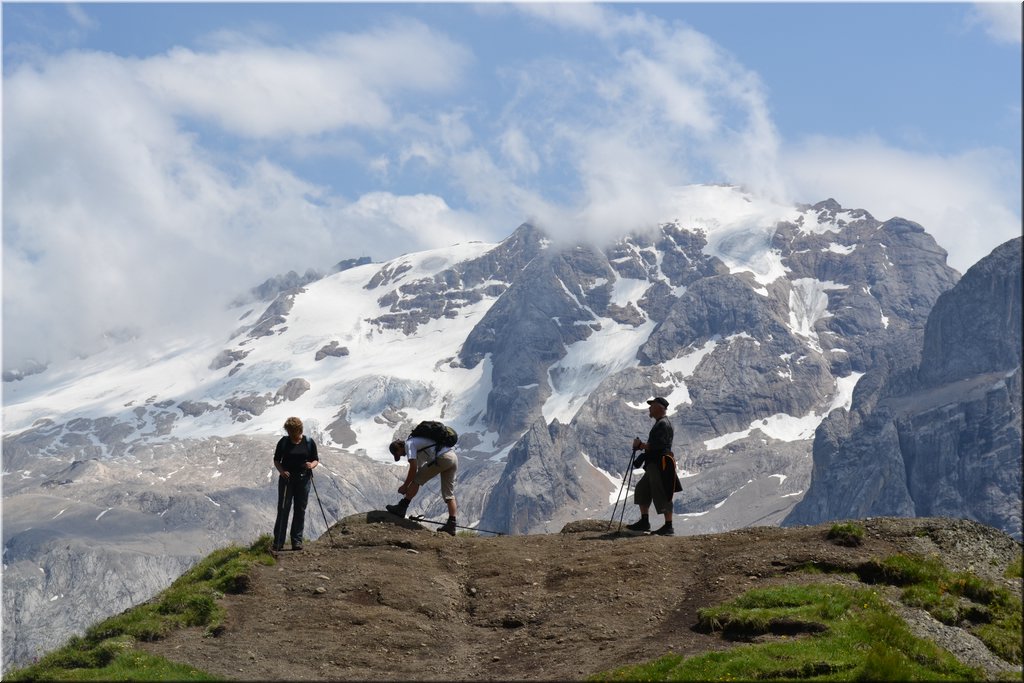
(295, 457)
(427, 459)
(659, 481)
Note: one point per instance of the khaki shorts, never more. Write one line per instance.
(446, 464)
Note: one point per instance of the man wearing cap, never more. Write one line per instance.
(659, 480)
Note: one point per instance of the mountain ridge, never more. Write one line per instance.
(387, 601)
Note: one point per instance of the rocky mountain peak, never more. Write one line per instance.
(975, 327)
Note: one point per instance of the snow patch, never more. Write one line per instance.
(499, 456)
(680, 368)
(738, 227)
(587, 363)
(618, 483)
(812, 222)
(782, 427)
(843, 398)
(685, 365)
(808, 303)
(627, 291)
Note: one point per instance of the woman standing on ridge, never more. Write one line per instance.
(295, 457)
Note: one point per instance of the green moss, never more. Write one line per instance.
(846, 533)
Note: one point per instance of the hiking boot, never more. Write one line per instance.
(277, 548)
(665, 530)
(297, 546)
(448, 527)
(643, 524)
(398, 509)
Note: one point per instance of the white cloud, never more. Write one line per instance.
(116, 215)
(670, 105)
(964, 200)
(417, 222)
(80, 17)
(517, 150)
(570, 15)
(627, 184)
(116, 218)
(665, 106)
(684, 104)
(343, 80)
(1001, 20)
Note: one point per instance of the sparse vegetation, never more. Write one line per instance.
(106, 651)
(1016, 568)
(902, 570)
(846, 533)
(827, 629)
(823, 631)
(988, 611)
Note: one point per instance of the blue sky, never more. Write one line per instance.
(161, 158)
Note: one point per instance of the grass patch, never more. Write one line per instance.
(902, 570)
(859, 639)
(124, 665)
(106, 651)
(1016, 568)
(990, 612)
(781, 610)
(846, 533)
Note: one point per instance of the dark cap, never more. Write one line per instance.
(659, 400)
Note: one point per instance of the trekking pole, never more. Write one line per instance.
(618, 496)
(623, 511)
(312, 479)
(419, 518)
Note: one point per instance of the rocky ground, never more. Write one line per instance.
(380, 600)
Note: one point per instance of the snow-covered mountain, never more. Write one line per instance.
(754, 319)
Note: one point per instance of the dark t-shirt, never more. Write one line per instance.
(659, 442)
(294, 456)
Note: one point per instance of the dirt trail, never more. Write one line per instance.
(395, 602)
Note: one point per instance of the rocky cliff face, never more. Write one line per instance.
(940, 435)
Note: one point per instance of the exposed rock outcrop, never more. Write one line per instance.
(942, 437)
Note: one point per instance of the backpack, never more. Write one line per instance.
(440, 434)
